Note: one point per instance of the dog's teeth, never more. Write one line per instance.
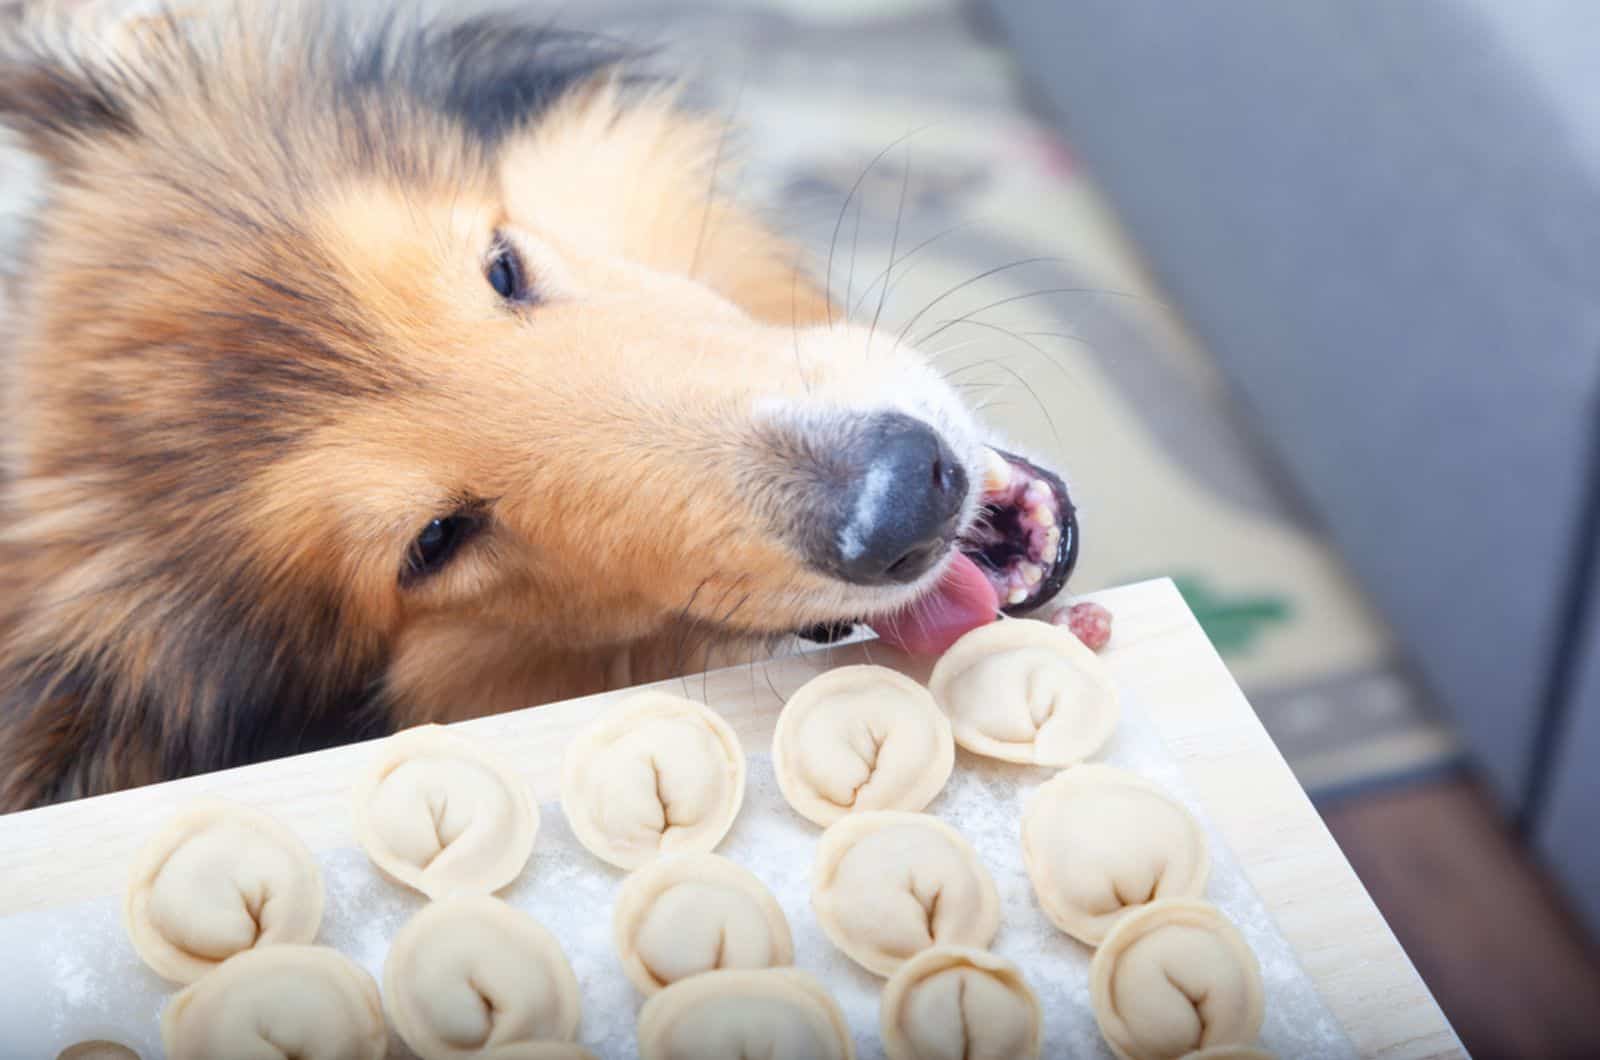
(1017, 596)
(1052, 541)
(1043, 516)
(1031, 573)
(996, 472)
(1038, 493)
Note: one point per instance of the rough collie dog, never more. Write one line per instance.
(357, 377)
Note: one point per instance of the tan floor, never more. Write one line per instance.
(1488, 933)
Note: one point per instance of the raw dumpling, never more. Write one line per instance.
(278, 1003)
(97, 1050)
(861, 738)
(1173, 977)
(1026, 691)
(694, 913)
(955, 1003)
(774, 1013)
(440, 814)
(471, 975)
(542, 1051)
(888, 885)
(657, 775)
(219, 879)
(1100, 841)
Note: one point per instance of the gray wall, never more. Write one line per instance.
(1373, 216)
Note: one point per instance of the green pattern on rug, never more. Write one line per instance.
(1234, 622)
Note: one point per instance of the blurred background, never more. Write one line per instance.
(1304, 297)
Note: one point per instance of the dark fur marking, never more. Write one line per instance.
(265, 671)
(221, 702)
(294, 294)
(45, 97)
(494, 73)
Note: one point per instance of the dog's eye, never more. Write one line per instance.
(505, 274)
(437, 543)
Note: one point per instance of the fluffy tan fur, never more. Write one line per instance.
(253, 351)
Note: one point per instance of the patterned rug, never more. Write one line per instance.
(896, 144)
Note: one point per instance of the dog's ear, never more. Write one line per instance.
(494, 73)
(56, 102)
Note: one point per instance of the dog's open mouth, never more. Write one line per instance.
(1025, 540)
(1016, 556)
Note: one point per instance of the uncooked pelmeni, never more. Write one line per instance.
(471, 975)
(887, 885)
(441, 815)
(542, 1051)
(219, 879)
(656, 775)
(1174, 977)
(97, 1050)
(861, 738)
(1099, 842)
(1026, 691)
(278, 1003)
(692, 913)
(774, 1013)
(957, 1003)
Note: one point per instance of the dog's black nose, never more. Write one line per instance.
(898, 508)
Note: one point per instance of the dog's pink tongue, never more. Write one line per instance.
(962, 602)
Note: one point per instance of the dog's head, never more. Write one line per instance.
(426, 368)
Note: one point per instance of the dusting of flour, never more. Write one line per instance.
(69, 973)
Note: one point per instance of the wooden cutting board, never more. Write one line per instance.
(76, 851)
